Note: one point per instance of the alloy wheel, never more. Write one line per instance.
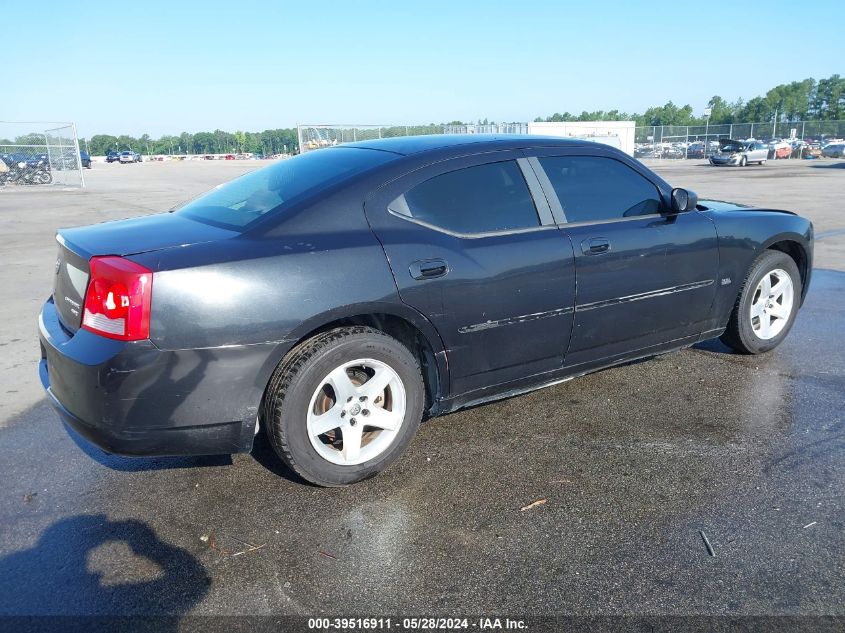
(356, 411)
(771, 304)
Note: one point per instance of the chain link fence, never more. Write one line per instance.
(313, 137)
(700, 141)
(659, 141)
(316, 136)
(40, 154)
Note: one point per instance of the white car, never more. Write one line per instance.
(128, 156)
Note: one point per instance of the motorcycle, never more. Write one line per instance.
(32, 172)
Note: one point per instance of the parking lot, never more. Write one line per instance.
(584, 498)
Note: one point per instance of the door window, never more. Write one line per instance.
(481, 199)
(592, 188)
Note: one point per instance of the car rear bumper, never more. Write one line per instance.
(136, 399)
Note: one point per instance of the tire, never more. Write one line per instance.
(43, 178)
(748, 334)
(743, 161)
(302, 389)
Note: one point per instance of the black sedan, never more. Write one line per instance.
(337, 298)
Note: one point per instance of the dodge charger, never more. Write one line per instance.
(336, 299)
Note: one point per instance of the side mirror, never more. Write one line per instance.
(683, 200)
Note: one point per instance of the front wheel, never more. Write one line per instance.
(743, 161)
(767, 305)
(342, 406)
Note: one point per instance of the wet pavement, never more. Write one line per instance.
(632, 462)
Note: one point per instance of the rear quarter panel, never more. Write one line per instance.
(260, 286)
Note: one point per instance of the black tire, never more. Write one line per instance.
(299, 375)
(743, 161)
(740, 334)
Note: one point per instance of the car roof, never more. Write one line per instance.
(407, 145)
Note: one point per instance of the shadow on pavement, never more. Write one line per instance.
(67, 573)
(839, 165)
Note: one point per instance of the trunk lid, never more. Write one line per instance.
(69, 286)
(122, 237)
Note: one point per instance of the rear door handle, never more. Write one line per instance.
(428, 269)
(595, 246)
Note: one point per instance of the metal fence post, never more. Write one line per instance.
(78, 157)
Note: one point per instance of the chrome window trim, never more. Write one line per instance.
(469, 236)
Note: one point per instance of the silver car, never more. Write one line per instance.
(834, 150)
(740, 153)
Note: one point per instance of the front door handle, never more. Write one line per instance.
(595, 246)
(428, 269)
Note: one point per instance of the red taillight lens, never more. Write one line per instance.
(117, 304)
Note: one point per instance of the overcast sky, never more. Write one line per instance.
(168, 67)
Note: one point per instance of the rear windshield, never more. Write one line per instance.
(237, 203)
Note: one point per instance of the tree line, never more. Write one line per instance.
(282, 140)
(822, 100)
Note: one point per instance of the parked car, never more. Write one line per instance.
(335, 298)
(113, 157)
(811, 150)
(739, 153)
(834, 150)
(646, 151)
(128, 156)
(780, 149)
(67, 159)
(696, 150)
(40, 161)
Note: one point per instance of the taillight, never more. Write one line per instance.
(117, 304)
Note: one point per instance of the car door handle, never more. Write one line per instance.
(595, 246)
(428, 269)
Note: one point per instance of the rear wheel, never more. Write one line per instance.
(766, 307)
(342, 406)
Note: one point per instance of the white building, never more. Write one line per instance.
(616, 133)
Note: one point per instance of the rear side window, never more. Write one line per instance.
(481, 199)
(592, 188)
(243, 200)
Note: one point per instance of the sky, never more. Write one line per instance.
(166, 67)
